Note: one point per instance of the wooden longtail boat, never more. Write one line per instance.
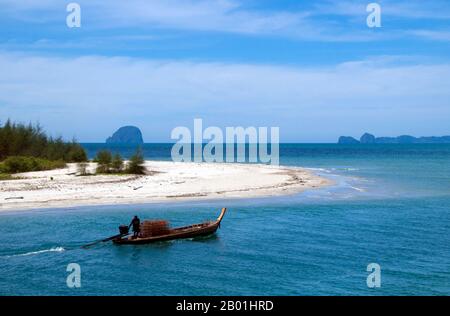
(196, 230)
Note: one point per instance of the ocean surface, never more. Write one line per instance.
(390, 206)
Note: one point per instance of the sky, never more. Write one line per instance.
(312, 68)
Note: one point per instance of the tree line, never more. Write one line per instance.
(26, 148)
(30, 140)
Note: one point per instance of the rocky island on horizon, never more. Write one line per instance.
(367, 138)
(126, 135)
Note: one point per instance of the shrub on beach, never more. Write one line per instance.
(5, 176)
(103, 159)
(107, 163)
(117, 163)
(136, 163)
(82, 169)
(76, 153)
(15, 164)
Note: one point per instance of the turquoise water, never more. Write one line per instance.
(390, 205)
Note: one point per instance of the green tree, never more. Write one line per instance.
(103, 159)
(76, 153)
(117, 163)
(136, 163)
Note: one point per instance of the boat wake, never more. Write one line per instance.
(53, 249)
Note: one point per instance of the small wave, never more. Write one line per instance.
(357, 189)
(53, 249)
(344, 169)
(318, 169)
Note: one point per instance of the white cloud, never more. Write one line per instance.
(90, 96)
(308, 22)
(203, 15)
(409, 9)
(432, 35)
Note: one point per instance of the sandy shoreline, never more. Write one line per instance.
(166, 181)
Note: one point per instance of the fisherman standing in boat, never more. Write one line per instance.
(136, 223)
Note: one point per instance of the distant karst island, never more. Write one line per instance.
(126, 135)
(404, 139)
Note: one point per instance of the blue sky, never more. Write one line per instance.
(313, 68)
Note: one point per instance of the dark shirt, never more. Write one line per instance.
(136, 223)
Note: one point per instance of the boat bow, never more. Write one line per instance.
(222, 214)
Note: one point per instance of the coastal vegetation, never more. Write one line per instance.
(5, 176)
(117, 164)
(15, 164)
(114, 164)
(103, 160)
(82, 169)
(136, 163)
(25, 148)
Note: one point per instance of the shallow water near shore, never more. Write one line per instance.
(390, 205)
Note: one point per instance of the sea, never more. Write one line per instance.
(386, 218)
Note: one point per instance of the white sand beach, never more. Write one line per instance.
(165, 181)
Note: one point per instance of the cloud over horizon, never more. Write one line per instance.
(308, 103)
